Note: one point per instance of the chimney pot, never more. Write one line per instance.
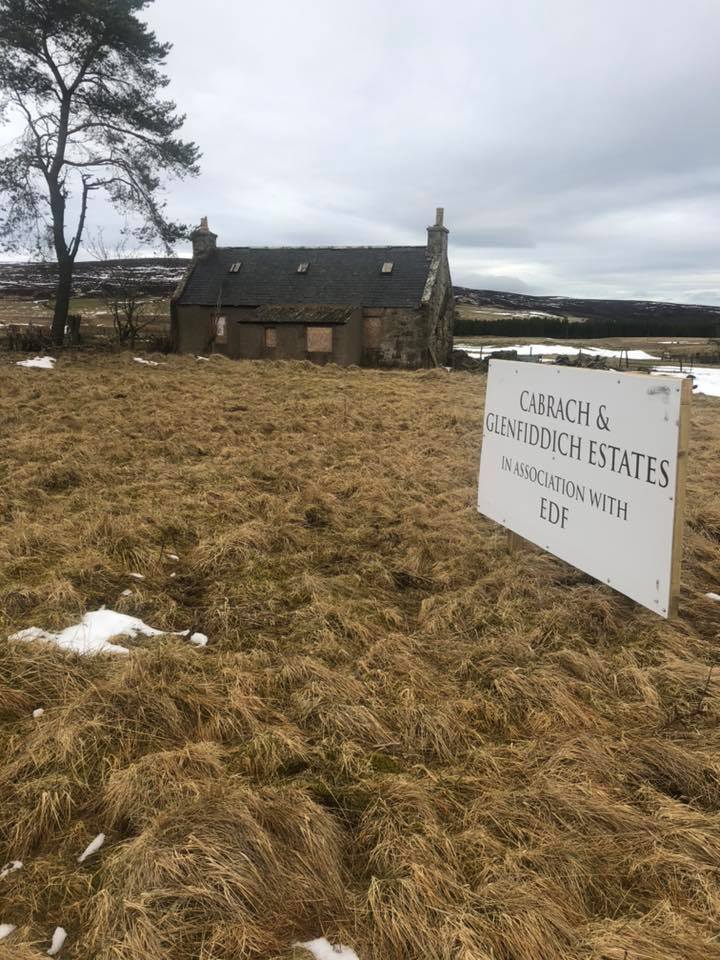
(437, 244)
(204, 241)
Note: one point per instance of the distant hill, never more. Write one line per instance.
(494, 306)
(482, 311)
(157, 276)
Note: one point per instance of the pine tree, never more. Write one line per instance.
(85, 78)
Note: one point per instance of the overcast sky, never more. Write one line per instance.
(574, 144)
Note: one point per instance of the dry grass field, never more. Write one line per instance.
(96, 315)
(399, 736)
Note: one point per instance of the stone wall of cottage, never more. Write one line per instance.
(195, 332)
(413, 338)
(438, 300)
(395, 337)
(440, 308)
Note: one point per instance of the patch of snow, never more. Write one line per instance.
(10, 868)
(713, 596)
(322, 949)
(58, 939)
(521, 314)
(149, 363)
(630, 354)
(202, 358)
(126, 593)
(137, 576)
(92, 635)
(6, 929)
(705, 379)
(199, 639)
(32, 633)
(173, 556)
(555, 350)
(42, 363)
(172, 575)
(39, 712)
(92, 848)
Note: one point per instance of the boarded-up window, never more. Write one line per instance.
(373, 332)
(270, 338)
(221, 330)
(318, 339)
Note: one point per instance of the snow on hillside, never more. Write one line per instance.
(554, 350)
(159, 275)
(523, 305)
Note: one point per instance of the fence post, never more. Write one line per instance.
(73, 329)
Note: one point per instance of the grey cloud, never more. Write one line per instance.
(573, 145)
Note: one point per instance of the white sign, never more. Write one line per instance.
(584, 463)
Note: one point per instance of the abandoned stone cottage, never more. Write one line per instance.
(377, 306)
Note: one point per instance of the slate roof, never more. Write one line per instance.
(336, 275)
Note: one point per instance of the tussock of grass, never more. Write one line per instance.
(211, 869)
(400, 736)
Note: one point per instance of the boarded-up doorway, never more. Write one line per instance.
(270, 342)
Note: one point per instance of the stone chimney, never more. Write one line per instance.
(204, 241)
(437, 244)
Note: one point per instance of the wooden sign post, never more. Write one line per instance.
(681, 477)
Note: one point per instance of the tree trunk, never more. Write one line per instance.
(62, 301)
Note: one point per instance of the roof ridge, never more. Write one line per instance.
(397, 246)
